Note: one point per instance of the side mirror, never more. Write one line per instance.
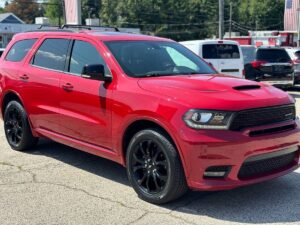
(95, 72)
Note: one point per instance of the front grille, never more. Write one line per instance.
(271, 130)
(265, 166)
(262, 116)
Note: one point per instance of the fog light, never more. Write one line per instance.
(217, 172)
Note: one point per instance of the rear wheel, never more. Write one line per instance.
(17, 129)
(154, 168)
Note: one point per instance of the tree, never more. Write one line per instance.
(54, 11)
(259, 15)
(26, 10)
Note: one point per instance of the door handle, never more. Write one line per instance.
(67, 87)
(24, 77)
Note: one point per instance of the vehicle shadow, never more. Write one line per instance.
(269, 202)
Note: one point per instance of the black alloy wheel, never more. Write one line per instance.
(17, 129)
(154, 168)
(150, 167)
(14, 126)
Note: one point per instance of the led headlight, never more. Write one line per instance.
(206, 119)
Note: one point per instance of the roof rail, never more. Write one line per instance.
(88, 27)
(75, 26)
(50, 30)
(43, 25)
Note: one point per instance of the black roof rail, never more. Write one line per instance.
(75, 26)
(50, 30)
(88, 27)
(43, 25)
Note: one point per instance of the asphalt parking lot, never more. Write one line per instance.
(55, 184)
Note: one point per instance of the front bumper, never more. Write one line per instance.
(204, 149)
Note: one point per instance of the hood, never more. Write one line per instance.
(215, 92)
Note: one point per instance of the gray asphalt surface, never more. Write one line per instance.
(55, 184)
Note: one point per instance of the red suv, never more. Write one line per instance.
(149, 104)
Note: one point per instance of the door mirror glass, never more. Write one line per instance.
(95, 72)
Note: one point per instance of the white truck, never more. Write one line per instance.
(225, 56)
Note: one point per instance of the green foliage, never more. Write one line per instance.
(26, 10)
(176, 19)
(261, 15)
(53, 10)
(191, 19)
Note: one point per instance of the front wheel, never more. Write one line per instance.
(154, 168)
(17, 129)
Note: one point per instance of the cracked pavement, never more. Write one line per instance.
(55, 184)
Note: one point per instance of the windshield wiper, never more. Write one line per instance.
(169, 74)
(156, 75)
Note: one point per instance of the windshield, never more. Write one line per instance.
(156, 58)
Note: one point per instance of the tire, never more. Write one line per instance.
(154, 168)
(17, 129)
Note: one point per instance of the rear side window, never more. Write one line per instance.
(52, 54)
(19, 50)
(273, 55)
(220, 51)
(84, 53)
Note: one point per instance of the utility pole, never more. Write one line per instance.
(298, 25)
(230, 20)
(221, 19)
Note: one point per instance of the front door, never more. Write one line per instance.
(85, 104)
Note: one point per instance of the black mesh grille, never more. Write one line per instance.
(262, 167)
(263, 116)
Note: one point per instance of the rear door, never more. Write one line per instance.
(85, 104)
(41, 83)
(225, 57)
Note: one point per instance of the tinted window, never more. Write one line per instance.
(273, 55)
(220, 51)
(248, 54)
(1, 52)
(52, 54)
(156, 58)
(19, 50)
(84, 53)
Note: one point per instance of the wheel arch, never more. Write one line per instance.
(142, 124)
(8, 97)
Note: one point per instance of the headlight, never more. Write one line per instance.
(206, 119)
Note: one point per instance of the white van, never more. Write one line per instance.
(225, 56)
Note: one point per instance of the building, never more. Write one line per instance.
(266, 38)
(10, 24)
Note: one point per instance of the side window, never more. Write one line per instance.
(52, 54)
(84, 53)
(19, 50)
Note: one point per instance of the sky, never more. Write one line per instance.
(2, 2)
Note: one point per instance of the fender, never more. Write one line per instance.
(151, 117)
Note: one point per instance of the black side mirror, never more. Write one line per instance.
(95, 72)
